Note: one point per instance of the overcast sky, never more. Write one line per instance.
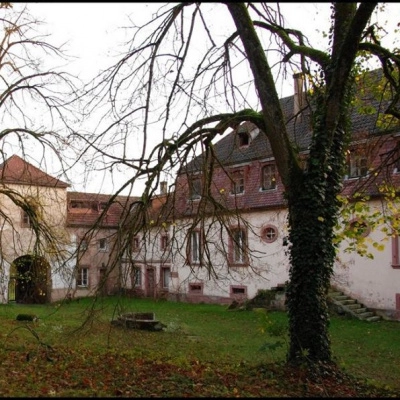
(92, 31)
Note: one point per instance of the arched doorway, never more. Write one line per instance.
(30, 280)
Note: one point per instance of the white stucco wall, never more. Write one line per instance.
(267, 268)
(373, 282)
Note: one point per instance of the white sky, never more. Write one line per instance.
(92, 32)
(92, 29)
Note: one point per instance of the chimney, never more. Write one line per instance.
(298, 93)
(163, 187)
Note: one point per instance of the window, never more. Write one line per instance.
(166, 276)
(78, 204)
(244, 138)
(103, 244)
(26, 221)
(238, 246)
(394, 158)
(268, 178)
(103, 206)
(269, 233)
(237, 182)
(136, 244)
(164, 242)
(195, 288)
(27, 216)
(359, 228)
(137, 277)
(238, 291)
(82, 279)
(195, 246)
(357, 165)
(195, 187)
(395, 233)
(83, 244)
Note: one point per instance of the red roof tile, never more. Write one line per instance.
(15, 170)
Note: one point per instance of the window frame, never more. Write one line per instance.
(82, 277)
(26, 221)
(266, 237)
(244, 138)
(359, 221)
(357, 165)
(165, 277)
(395, 159)
(195, 233)
(137, 277)
(268, 176)
(83, 243)
(237, 182)
(241, 295)
(196, 291)
(136, 244)
(164, 241)
(79, 205)
(238, 255)
(195, 187)
(101, 248)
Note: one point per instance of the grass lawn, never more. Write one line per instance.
(204, 351)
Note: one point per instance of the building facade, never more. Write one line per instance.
(220, 235)
(240, 244)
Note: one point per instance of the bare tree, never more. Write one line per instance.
(36, 107)
(191, 78)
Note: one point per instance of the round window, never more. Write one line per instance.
(359, 227)
(269, 233)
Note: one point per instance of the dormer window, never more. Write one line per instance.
(76, 204)
(237, 182)
(195, 187)
(84, 206)
(268, 177)
(244, 138)
(357, 165)
(103, 206)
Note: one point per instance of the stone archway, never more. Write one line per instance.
(31, 277)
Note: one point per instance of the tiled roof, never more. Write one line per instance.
(15, 170)
(89, 215)
(299, 130)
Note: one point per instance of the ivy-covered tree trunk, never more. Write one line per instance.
(310, 271)
(313, 209)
